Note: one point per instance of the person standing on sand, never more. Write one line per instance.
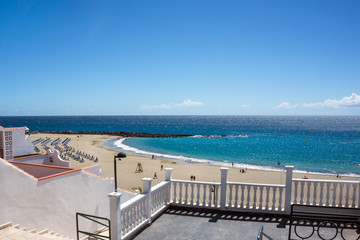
(155, 175)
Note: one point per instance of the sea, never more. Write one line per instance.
(316, 144)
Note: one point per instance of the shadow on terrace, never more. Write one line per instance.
(187, 223)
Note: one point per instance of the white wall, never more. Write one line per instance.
(21, 143)
(51, 203)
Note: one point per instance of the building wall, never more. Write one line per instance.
(14, 142)
(52, 203)
(21, 142)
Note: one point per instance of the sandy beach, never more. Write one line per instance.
(127, 178)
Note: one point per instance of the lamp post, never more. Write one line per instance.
(119, 156)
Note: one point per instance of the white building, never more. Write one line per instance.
(14, 142)
(41, 191)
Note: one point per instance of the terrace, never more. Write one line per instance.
(178, 209)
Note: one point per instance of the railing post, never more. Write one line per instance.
(147, 191)
(288, 189)
(168, 178)
(358, 201)
(224, 176)
(115, 215)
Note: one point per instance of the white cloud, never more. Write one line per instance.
(185, 103)
(245, 106)
(189, 103)
(352, 101)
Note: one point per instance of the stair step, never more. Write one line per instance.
(14, 233)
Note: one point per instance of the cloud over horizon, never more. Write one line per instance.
(352, 101)
(185, 103)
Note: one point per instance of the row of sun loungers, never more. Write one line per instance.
(66, 152)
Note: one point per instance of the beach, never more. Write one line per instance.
(129, 179)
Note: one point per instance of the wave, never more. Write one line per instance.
(219, 136)
(119, 144)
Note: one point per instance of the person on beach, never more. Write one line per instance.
(155, 175)
(191, 178)
(162, 167)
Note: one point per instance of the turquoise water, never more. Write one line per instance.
(326, 144)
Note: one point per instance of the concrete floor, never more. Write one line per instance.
(197, 224)
(186, 223)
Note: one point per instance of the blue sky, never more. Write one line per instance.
(179, 57)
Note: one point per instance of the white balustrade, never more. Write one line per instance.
(159, 197)
(195, 194)
(248, 197)
(133, 214)
(255, 197)
(325, 192)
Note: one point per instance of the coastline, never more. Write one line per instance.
(118, 144)
(95, 144)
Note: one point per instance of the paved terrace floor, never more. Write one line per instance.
(180, 223)
(185, 223)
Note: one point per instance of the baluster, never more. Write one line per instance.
(230, 195)
(248, 188)
(136, 215)
(175, 196)
(302, 192)
(295, 191)
(186, 200)
(255, 197)
(341, 185)
(192, 194)
(314, 194)
(132, 220)
(327, 194)
(261, 197)
(198, 194)
(280, 198)
(181, 194)
(128, 219)
(347, 185)
(321, 193)
(267, 198)
(204, 198)
(334, 195)
(274, 199)
(236, 195)
(144, 208)
(123, 220)
(354, 186)
(308, 193)
(216, 195)
(210, 203)
(242, 196)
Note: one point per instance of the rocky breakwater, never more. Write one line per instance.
(117, 133)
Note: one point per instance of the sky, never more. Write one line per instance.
(185, 57)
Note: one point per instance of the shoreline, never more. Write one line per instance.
(127, 178)
(191, 160)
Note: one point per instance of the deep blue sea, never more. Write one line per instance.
(325, 144)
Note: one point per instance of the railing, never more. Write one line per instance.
(133, 214)
(231, 196)
(326, 193)
(255, 197)
(159, 197)
(94, 219)
(195, 194)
